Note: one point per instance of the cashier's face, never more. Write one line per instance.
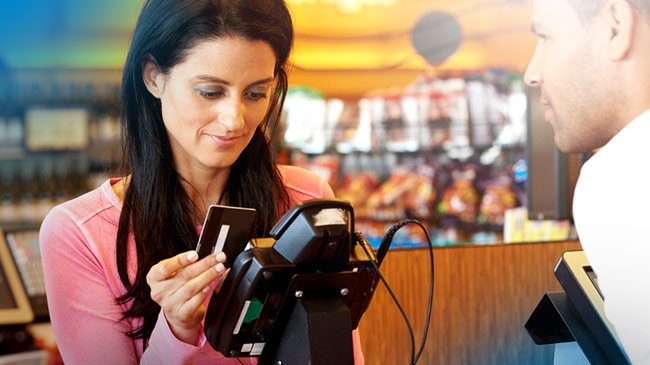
(567, 67)
(213, 100)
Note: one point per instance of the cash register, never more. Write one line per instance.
(16, 343)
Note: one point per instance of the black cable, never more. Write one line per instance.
(239, 361)
(381, 253)
(388, 239)
(431, 286)
(392, 295)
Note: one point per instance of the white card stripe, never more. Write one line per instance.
(221, 239)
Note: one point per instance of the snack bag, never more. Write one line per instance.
(357, 189)
(498, 197)
(460, 200)
(420, 199)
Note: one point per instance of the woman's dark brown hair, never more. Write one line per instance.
(157, 211)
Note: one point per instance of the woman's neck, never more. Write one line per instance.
(202, 190)
(205, 188)
(120, 187)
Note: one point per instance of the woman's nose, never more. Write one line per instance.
(231, 114)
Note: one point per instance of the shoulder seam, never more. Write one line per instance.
(305, 191)
(82, 219)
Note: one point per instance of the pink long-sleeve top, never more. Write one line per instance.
(77, 241)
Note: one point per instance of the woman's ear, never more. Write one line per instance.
(153, 78)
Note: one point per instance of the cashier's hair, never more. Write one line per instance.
(587, 9)
(156, 209)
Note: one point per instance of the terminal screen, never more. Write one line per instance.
(6, 297)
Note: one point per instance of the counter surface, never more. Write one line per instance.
(483, 296)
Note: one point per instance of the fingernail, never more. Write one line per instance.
(221, 257)
(206, 289)
(220, 268)
(192, 256)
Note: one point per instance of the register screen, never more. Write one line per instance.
(6, 297)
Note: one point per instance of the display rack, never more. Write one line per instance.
(40, 168)
(401, 154)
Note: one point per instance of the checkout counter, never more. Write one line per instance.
(483, 297)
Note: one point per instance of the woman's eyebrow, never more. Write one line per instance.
(222, 81)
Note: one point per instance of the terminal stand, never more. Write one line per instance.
(556, 321)
(297, 300)
(319, 332)
(576, 315)
(319, 325)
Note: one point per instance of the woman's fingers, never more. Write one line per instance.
(168, 267)
(180, 278)
(180, 285)
(195, 286)
(187, 261)
(194, 305)
(221, 257)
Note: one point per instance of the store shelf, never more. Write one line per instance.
(12, 153)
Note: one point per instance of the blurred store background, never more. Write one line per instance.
(409, 108)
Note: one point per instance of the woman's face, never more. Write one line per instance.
(213, 101)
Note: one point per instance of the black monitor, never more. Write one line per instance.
(14, 304)
(25, 250)
(580, 283)
(296, 297)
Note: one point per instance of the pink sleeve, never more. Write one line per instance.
(356, 346)
(165, 348)
(85, 317)
(326, 189)
(87, 321)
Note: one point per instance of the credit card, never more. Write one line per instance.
(226, 229)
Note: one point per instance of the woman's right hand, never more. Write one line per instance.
(179, 285)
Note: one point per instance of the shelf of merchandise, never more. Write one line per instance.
(458, 132)
(33, 180)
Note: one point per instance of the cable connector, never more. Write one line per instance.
(388, 238)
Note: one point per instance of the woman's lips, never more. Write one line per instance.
(223, 142)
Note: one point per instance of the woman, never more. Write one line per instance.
(201, 80)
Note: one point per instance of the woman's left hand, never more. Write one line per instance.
(179, 285)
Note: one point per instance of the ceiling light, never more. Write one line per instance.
(346, 6)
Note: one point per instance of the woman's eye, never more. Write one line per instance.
(256, 95)
(209, 94)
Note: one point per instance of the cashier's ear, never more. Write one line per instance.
(621, 20)
(153, 78)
